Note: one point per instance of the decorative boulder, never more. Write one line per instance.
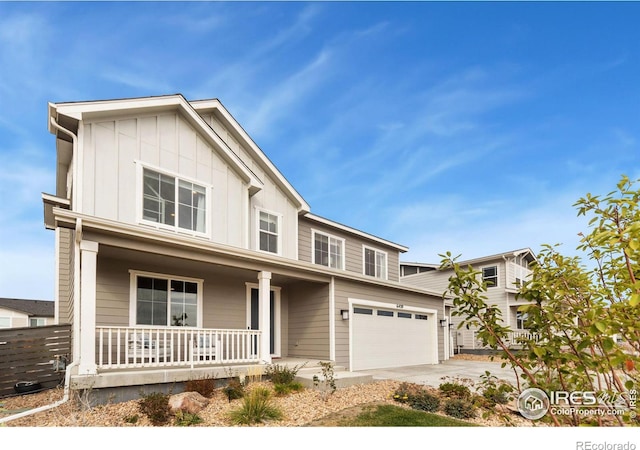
(190, 402)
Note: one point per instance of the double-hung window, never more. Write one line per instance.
(490, 276)
(165, 301)
(174, 202)
(328, 250)
(268, 232)
(375, 263)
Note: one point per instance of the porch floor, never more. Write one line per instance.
(159, 375)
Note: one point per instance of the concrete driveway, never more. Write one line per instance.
(432, 375)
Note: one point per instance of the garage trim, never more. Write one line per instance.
(431, 321)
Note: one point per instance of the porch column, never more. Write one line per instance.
(264, 310)
(87, 338)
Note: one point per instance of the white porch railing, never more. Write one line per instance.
(136, 347)
(468, 339)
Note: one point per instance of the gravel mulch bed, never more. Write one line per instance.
(305, 408)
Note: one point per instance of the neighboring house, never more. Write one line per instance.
(503, 273)
(180, 246)
(17, 313)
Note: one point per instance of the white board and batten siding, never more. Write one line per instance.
(114, 149)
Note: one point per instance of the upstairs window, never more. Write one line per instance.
(174, 202)
(269, 232)
(328, 250)
(490, 276)
(37, 322)
(375, 263)
(5, 322)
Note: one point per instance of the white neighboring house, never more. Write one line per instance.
(503, 272)
(17, 313)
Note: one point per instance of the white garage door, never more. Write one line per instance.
(385, 337)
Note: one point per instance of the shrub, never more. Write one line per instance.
(424, 401)
(234, 389)
(185, 419)
(327, 384)
(285, 389)
(156, 407)
(205, 387)
(495, 391)
(459, 408)
(257, 407)
(417, 397)
(455, 390)
(281, 374)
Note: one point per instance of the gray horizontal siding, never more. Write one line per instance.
(353, 248)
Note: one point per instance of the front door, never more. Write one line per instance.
(254, 309)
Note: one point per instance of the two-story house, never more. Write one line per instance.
(181, 247)
(19, 313)
(503, 274)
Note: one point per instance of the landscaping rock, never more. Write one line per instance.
(190, 402)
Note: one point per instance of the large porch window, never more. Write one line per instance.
(165, 301)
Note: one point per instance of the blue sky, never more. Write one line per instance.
(470, 127)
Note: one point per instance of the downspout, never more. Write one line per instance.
(78, 238)
(65, 398)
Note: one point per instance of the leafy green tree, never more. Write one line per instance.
(585, 319)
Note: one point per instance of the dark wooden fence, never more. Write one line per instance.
(27, 354)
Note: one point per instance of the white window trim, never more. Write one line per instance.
(257, 230)
(497, 275)
(133, 297)
(140, 166)
(385, 275)
(343, 260)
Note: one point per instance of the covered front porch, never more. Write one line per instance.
(157, 314)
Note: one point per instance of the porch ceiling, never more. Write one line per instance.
(136, 259)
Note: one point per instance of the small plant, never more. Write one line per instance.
(234, 389)
(132, 419)
(459, 408)
(281, 374)
(257, 407)
(185, 419)
(156, 407)
(327, 385)
(205, 387)
(455, 390)
(254, 374)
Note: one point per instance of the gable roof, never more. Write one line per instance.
(85, 110)
(482, 259)
(39, 308)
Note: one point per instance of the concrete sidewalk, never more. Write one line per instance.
(432, 374)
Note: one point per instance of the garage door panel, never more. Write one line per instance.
(381, 341)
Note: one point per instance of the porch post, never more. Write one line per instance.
(264, 309)
(87, 338)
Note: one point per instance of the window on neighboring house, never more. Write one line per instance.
(375, 263)
(268, 232)
(5, 322)
(521, 318)
(490, 276)
(163, 195)
(37, 322)
(328, 250)
(166, 301)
